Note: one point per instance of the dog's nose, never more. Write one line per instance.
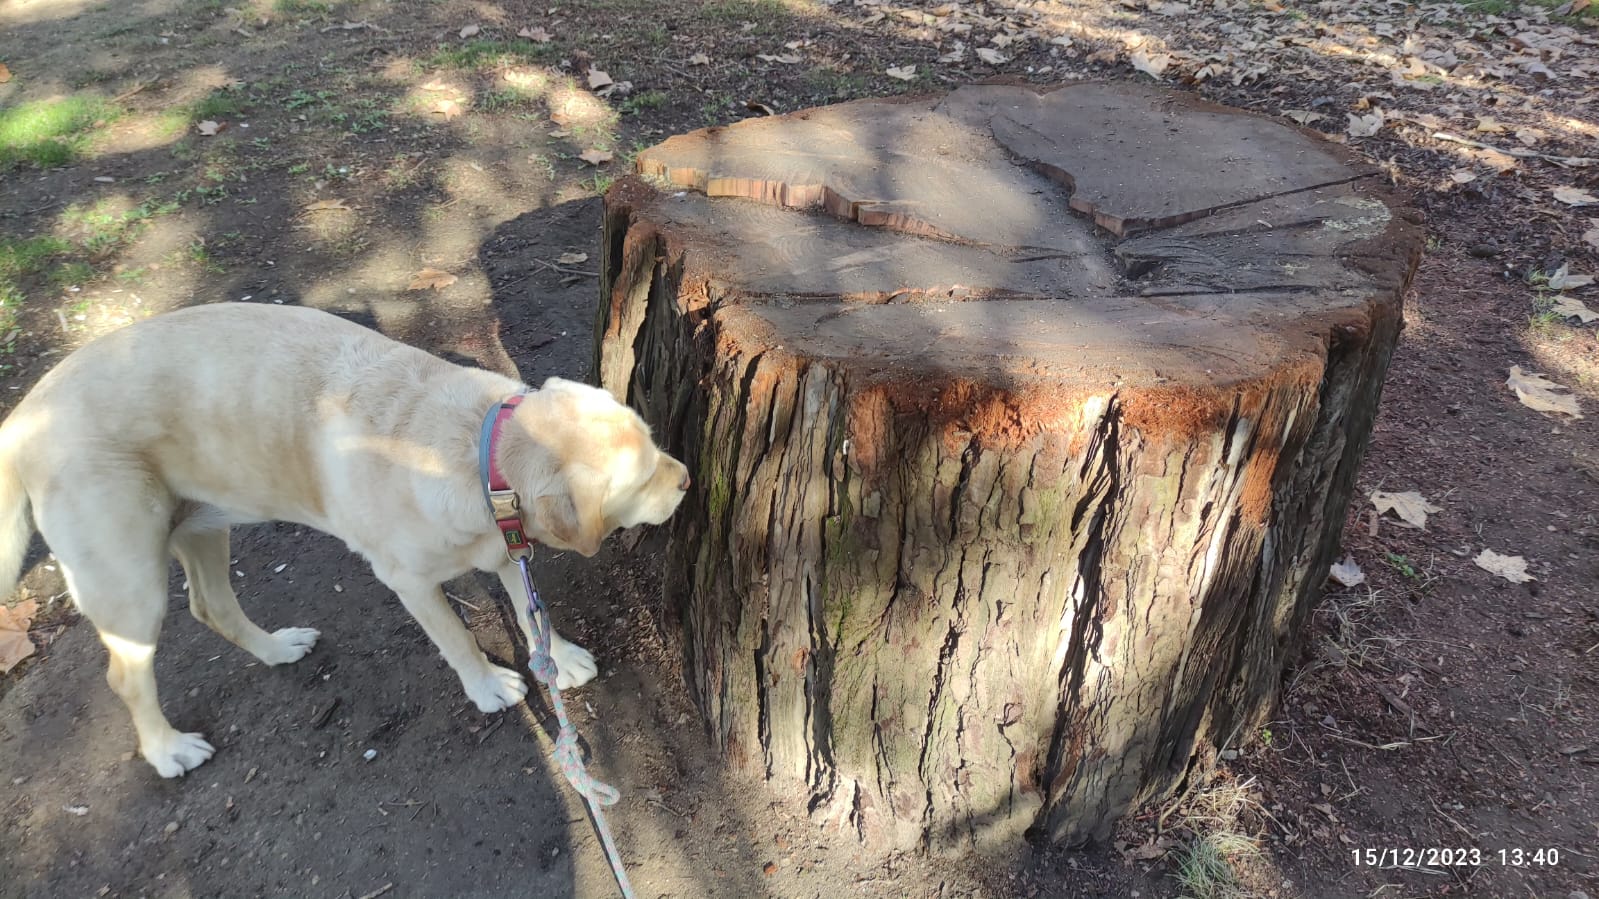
(687, 482)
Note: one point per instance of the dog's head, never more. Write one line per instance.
(584, 466)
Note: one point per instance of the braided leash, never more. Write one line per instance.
(568, 755)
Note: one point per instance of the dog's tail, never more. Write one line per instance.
(16, 528)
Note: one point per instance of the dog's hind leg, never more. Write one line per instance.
(201, 547)
(109, 537)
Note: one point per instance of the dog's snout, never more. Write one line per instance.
(686, 483)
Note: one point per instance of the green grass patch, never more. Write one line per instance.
(25, 257)
(481, 54)
(220, 104)
(49, 133)
(71, 274)
(643, 100)
(761, 12)
(18, 259)
(304, 7)
(1205, 866)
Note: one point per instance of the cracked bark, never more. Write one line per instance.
(1014, 482)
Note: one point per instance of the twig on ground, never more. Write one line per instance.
(1573, 162)
(489, 731)
(352, 26)
(377, 892)
(561, 268)
(128, 93)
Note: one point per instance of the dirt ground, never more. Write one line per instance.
(160, 153)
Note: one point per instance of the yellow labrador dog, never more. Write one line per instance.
(154, 439)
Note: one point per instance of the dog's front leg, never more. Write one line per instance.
(493, 688)
(575, 664)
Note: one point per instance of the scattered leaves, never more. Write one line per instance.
(1347, 573)
(599, 79)
(571, 258)
(991, 56)
(1538, 393)
(699, 59)
(1365, 125)
(1563, 279)
(1511, 568)
(537, 35)
(14, 643)
(470, 31)
(436, 279)
(902, 73)
(1150, 64)
(1566, 307)
(208, 128)
(1571, 196)
(593, 156)
(1411, 507)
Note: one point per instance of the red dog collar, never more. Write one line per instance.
(503, 503)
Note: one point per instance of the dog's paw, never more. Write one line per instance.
(289, 644)
(576, 664)
(178, 754)
(498, 690)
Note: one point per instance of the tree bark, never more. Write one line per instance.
(1023, 424)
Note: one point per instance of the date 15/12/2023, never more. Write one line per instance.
(1445, 857)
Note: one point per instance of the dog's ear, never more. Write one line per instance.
(575, 516)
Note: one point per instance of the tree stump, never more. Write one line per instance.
(1023, 424)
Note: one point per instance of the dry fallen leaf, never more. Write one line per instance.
(5, 73)
(1538, 393)
(1347, 573)
(470, 31)
(572, 258)
(1411, 507)
(903, 73)
(1462, 176)
(208, 128)
(437, 279)
(787, 59)
(598, 79)
(1563, 279)
(991, 56)
(1365, 125)
(595, 157)
(436, 85)
(1571, 196)
(14, 643)
(327, 206)
(699, 59)
(1150, 64)
(1488, 125)
(1511, 568)
(1591, 236)
(535, 34)
(448, 108)
(1303, 116)
(1566, 307)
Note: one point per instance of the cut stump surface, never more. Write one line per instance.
(1023, 424)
